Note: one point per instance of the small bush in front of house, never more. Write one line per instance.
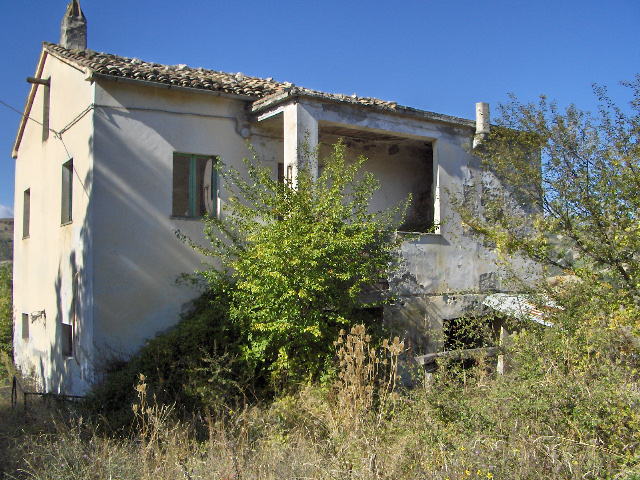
(197, 364)
(301, 252)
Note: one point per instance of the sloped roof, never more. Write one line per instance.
(263, 92)
(197, 78)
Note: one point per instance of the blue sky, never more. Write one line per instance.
(441, 56)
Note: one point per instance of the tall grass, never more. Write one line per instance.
(566, 420)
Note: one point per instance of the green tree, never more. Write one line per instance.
(572, 196)
(301, 255)
(6, 309)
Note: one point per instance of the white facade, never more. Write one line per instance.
(107, 279)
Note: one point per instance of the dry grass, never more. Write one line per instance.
(471, 426)
(367, 378)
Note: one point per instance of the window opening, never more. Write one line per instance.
(67, 193)
(67, 340)
(280, 172)
(468, 333)
(26, 212)
(25, 326)
(194, 185)
(421, 215)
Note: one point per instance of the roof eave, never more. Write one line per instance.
(29, 104)
(147, 83)
(278, 98)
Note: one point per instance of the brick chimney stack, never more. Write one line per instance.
(73, 32)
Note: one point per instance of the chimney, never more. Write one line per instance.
(73, 32)
(483, 123)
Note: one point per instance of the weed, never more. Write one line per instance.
(367, 378)
(549, 418)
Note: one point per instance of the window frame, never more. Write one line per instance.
(66, 215)
(193, 210)
(26, 213)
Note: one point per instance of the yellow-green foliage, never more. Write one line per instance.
(300, 255)
(570, 199)
(6, 309)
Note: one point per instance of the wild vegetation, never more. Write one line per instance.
(6, 239)
(300, 252)
(582, 198)
(6, 315)
(568, 408)
(561, 413)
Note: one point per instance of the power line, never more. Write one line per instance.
(58, 135)
(20, 113)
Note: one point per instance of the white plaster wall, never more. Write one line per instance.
(400, 174)
(137, 254)
(446, 262)
(450, 261)
(45, 262)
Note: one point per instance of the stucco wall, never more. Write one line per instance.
(403, 168)
(442, 275)
(137, 254)
(46, 262)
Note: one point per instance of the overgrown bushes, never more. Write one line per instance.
(301, 251)
(197, 364)
(6, 312)
(563, 412)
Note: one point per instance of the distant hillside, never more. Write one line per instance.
(6, 239)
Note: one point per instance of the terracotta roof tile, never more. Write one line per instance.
(198, 78)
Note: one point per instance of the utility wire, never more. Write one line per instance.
(93, 106)
(19, 112)
(58, 135)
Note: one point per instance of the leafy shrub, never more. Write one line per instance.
(6, 310)
(301, 253)
(199, 363)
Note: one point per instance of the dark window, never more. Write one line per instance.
(468, 333)
(67, 340)
(420, 217)
(25, 325)
(26, 212)
(67, 193)
(280, 172)
(194, 185)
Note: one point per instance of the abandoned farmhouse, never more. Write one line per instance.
(121, 157)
